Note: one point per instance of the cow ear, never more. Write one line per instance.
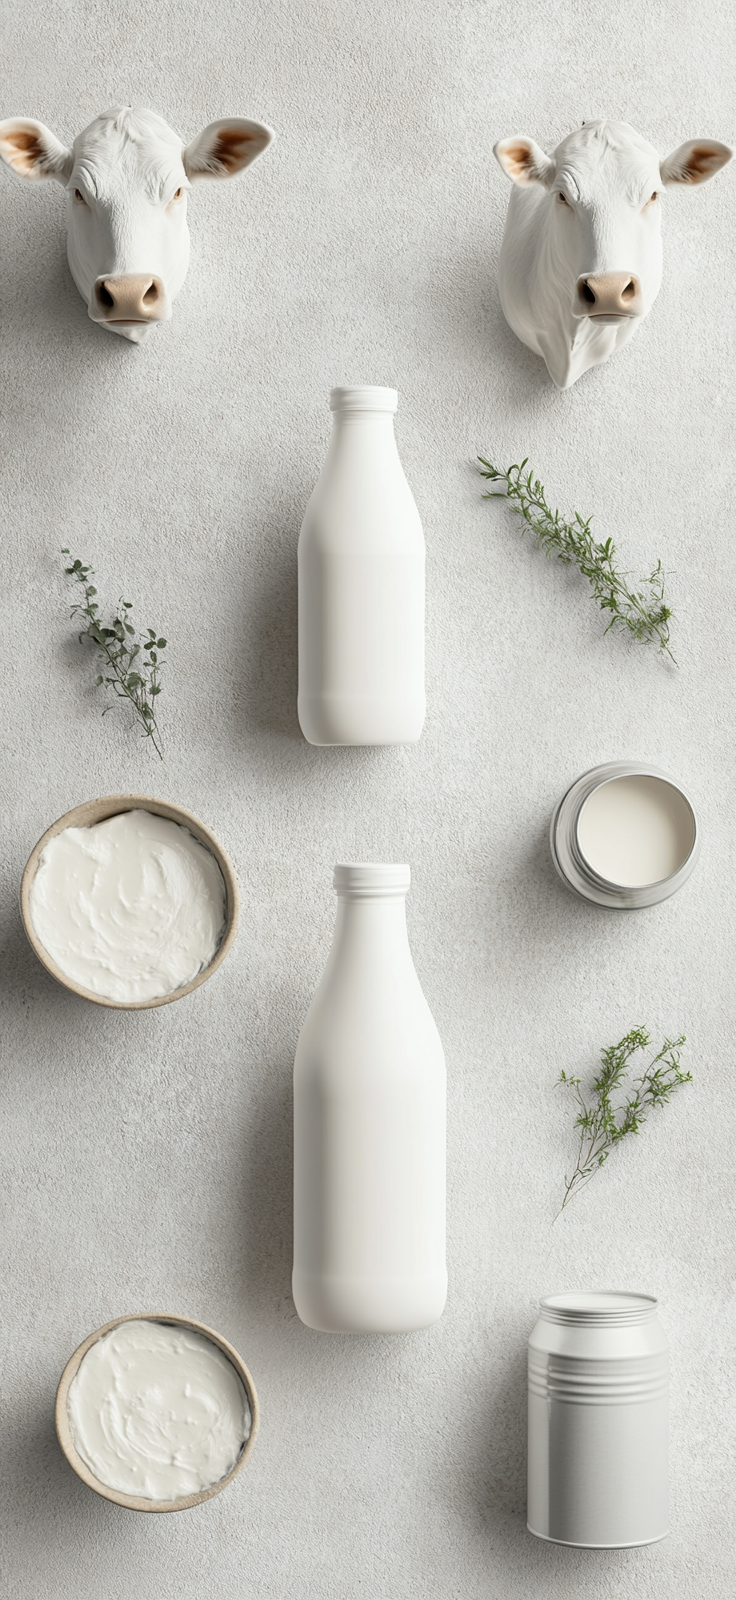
(524, 161)
(33, 151)
(695, 162)
(225, 148)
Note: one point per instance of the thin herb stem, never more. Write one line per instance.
(133, 664)
(602, 1125)
(641, 613)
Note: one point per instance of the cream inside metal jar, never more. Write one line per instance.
(624, 836)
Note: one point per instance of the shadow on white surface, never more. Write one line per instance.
(269, 664)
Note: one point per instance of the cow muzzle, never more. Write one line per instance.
(608, 296)
(134, 297)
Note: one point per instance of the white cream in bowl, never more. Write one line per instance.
(158, 1411)
(130, 908)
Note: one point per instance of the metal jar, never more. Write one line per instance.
(598, 1421)
(577, 873)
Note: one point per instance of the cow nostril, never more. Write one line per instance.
(630, 290)
(130, 297)
(586, 293)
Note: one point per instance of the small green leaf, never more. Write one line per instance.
(602, 1124)
(118, 647)
(644, 618)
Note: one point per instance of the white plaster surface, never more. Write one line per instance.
(146, 1157)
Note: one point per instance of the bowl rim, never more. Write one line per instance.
(64, 1434)
(113, 805)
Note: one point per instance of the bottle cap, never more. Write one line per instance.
(355, 879)
(368, 397)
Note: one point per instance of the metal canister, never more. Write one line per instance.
(598, 1421)
(581, 875)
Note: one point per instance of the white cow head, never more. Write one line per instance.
(126, 179)
(581, 260)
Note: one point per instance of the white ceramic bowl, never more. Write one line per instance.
(130, 1501)
(85, 816)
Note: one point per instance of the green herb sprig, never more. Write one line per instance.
(640, 613)
(602, 1124)
(133, 664)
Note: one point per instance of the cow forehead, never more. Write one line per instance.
(608, 154)
(131, 143)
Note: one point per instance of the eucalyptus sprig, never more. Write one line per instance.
(132, 664)
(640, 613)
(602, 1124)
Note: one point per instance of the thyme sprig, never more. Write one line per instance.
(641, 613)
(602, 1124)
(133, 664)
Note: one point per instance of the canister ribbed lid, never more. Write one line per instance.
(364, 397)
(607, 1308)
(359, 878)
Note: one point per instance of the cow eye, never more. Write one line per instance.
(654, 196)
(79, 197)
(178, 194)
(562, 199)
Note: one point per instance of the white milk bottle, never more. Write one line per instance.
(361, 585)
(369, 1125)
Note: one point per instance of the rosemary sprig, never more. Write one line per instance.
(641, 613)
(132, 664)
(602, 1124)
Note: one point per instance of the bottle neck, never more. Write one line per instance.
(372, 927)
(363, 437)
(363, 419)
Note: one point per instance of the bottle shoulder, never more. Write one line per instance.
(375, 511)
(354, 1030)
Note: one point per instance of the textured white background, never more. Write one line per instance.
(147, 1158)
